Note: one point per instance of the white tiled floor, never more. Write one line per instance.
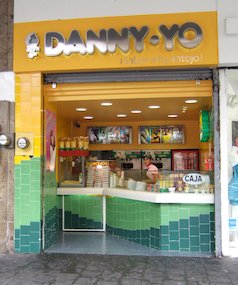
(98, 243)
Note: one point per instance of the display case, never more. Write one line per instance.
(167, 181)
(72, 168)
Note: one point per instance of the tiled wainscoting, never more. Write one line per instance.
(166, 227)
(27, 206)
(83, 212)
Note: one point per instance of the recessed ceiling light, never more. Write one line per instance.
(121, 115)
(106, 104)
(172, 116)
(54, 85)
(154, 107)
(88, 118)
(185, 107)
(135, 111)
(192, 101)
(184, 111)
(81, 109)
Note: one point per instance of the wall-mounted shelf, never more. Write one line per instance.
(73, 152)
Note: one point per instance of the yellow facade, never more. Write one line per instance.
(29, 86)
(28, 111)
(152, 56)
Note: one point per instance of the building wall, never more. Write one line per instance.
(27, 11)
(228, 113)
(228, 32)
(33, 10)
(7, 107)
(28, 167)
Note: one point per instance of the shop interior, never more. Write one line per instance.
(82, 108)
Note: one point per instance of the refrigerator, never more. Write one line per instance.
(185, 159)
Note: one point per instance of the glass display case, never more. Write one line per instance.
(75, 171)
(72, 168)
(167, 181)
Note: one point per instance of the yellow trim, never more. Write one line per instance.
(19, 159)
(153, 56)
(127, 90)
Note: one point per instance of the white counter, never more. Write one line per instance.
(163, 198)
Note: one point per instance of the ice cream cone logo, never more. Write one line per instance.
(32, 45)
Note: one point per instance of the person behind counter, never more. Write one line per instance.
(152, 171)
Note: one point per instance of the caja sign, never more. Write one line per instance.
(188, 35)
(194, 178)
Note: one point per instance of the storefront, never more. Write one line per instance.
(66, 65)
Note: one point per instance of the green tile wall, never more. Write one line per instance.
(50, 208)
(27, 205)
(167, 227)
(83, 212)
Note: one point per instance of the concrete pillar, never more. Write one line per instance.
(6, 180)
(6, 35)
(6, 126)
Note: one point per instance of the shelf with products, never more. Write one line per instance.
(73, 152)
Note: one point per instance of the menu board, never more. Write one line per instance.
(110, 135)
(161, 134)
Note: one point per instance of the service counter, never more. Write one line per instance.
(167, 198)
(128, 205)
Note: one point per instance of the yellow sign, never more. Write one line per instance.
(129, 42)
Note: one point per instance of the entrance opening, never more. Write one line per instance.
(167, 120)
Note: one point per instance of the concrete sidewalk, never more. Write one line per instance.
(67, 269)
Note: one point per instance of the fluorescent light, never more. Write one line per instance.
(106, 104)
(192, 101)
(172, 116)
(135, 111)
(154, 107)
(121, 115)
(81, 109)
(88, 118)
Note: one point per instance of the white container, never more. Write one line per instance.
(131, 184)
(121, 182)
(140, 186)
(171, 189)
(113, 180)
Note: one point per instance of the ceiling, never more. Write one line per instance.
(173, 105)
